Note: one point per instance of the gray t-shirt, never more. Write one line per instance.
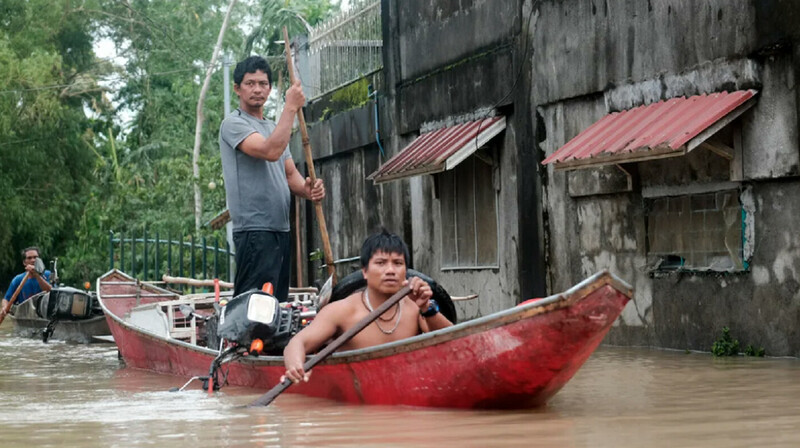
(257, 190)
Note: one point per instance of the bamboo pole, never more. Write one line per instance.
(210, 282)
(323, 229)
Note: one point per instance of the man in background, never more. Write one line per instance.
(35, 283)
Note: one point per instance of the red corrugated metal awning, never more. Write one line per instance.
(663, 129)
(439, 150)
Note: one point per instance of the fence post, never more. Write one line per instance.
(169, 252)
(111, 249)
(191, 258)
(133, 253)
(144, 241)
(180, 256)
(157, 260)
(216, 256)
(205, 265)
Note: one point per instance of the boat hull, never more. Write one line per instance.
(517, 358)
(28, 324)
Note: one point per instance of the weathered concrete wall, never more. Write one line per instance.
(345, 153)
(772, 126)
(584, 46)
(474, 84)
(441, 59)
(591, 58)
(497, 288)
(435, 34)
(448, 59)
(762, 307)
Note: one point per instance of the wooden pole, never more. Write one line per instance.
(7, 308)
(323, 229)
(222, 284)
(298, 243)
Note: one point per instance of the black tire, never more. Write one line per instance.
(355, 281)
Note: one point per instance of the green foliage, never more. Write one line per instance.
(80, 161)
(296, 15)
(725, 345)
(750, 350)
(142, 174)
(316, 255)
(351, 96)
(47, 79)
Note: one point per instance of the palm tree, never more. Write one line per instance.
(275, 14)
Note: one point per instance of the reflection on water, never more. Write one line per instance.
(72, 395)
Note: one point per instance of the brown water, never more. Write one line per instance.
(59, 395)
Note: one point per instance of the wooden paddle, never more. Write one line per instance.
(7, 308)
(267, 398)
(323, 229)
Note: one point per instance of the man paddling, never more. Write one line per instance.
(35, 282)
(384, 258)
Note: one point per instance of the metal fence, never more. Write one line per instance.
(346, 47)
(149, 258)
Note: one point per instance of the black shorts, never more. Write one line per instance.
(262, 256)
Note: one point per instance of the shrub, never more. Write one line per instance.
(725, 345)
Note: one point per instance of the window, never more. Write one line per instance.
(468, 202)
(696, 232)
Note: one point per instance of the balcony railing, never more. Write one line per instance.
(345, 48)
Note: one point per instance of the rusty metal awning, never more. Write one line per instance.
(439, 150)
(664, 129)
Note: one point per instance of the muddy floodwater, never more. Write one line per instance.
(59, 395)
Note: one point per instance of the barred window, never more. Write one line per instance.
(696, 232)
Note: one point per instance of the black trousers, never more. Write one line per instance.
(262, 256)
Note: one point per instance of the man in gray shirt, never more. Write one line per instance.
(259, 175)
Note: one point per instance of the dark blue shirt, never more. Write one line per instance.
(31, 287)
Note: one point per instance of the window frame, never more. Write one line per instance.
(488, 155)
(744, 221)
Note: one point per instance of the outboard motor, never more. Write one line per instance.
(65, 303)
(250, 324)
(258, 315)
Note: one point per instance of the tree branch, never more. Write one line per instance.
(198, 198)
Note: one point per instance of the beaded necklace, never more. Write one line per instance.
(399, 312)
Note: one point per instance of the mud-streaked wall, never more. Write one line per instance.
(443, 61)
(345, 153)
(451, 60)
(594, 57)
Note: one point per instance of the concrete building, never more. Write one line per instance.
(707, 236)
(707, 241)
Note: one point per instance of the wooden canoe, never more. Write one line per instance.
(516, 358)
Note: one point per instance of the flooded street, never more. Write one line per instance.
(59, 395)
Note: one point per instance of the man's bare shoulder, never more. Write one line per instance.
(346, 305)
(341, 309)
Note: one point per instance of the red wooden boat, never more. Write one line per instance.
(517, 358)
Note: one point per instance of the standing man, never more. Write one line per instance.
(259, 176)
(35, 284)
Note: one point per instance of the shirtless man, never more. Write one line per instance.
(383, 262)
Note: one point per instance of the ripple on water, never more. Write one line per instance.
(66, 395)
